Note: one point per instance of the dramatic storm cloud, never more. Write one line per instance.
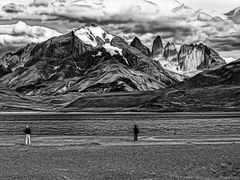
(183, 21)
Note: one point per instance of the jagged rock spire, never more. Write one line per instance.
(136, 43)
(198, 57)
(170, 52)
(157, 48)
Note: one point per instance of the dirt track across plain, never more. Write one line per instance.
(118, 140)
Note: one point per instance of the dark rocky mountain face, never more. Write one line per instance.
(170, 52)
(228, 74)
(88, 59)
(136, 43)
(157, 48)
(4, 70)
(17, 59)
(198, 57)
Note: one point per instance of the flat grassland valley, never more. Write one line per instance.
(100, 146)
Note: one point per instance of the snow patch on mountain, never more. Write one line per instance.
(89, 35)
(229, 59)
(112, 50)
(174, 67)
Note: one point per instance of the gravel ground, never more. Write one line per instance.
(94, 161)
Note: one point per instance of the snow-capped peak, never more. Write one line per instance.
(89, 34)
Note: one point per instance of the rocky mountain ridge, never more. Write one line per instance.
(86, 59)
(157, 47)
(189, 60)
(89, 69)
(228, 74)
(198, 57)
(170, 52)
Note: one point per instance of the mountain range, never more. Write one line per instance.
(86, 59)
(90, 68)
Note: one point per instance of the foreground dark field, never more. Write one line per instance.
(121, 162)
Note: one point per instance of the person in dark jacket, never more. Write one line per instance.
(27, 132)
(135, 131)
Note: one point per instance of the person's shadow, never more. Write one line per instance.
(20, 144)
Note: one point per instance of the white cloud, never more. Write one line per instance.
(230, 55)
(21, 34)
(168, 18)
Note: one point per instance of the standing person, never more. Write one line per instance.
(135, 131)
(27, 132)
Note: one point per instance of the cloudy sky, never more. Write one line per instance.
(215, 23)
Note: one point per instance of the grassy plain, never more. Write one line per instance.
(94, 160)
(99, 146)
